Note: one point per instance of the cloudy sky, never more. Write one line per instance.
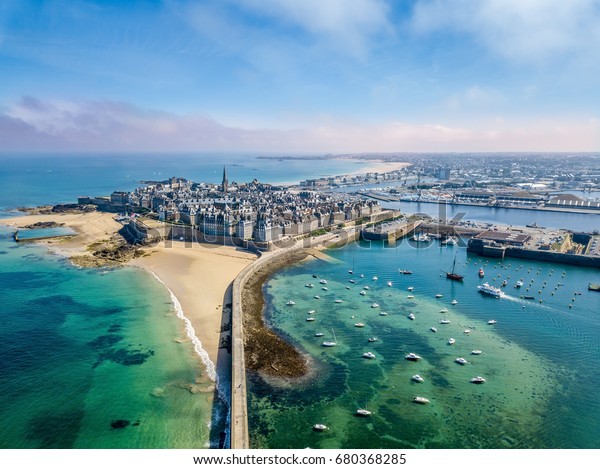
(300, 76)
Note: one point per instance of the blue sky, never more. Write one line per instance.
(300, 76)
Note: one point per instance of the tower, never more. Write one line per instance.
(224, 184)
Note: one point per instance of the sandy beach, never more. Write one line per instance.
(199, 275)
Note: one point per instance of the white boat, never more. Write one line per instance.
(487, 289)
(309, 285)
(352, 280)
(312, 311)
(444, 310)
(319, 334)
(329, 343)
(417, 378)
(383, 313)
(347, 288)
(319, 427)
(359, 324)
(369, 355)
(410, 288)
(362, 275)
(338, 301)
(363, 293)
(389, 284)
(375, 277)
(363, 412)
(492, 321)
(373, 339)
(410, 297)
(451, 241)
(519, 284)
(451, 341)
(421, 400)
(445, 321)
(433, 329)
(291, 303)
(439, 295)
(467, 331)
(310, 319)
(413, 356)
(324, 288)
(478, 380)
(317, 297)
(461, 361)
(366, 288)
(476, 352)
(374, 305)
(351, 272)
(420, 238)
(454, 302)
(411, 316)
(323, 282)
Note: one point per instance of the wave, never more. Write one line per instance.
(222, 384)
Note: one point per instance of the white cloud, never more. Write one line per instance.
(33, 124)
(520, 30)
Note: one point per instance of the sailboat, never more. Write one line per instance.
(453, 275)
(329, 343)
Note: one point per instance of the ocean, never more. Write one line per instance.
(539, 360)
(97, 358)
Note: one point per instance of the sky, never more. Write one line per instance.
(303, 76)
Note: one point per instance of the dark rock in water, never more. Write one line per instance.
(125, 356)
(136, 423)
(3, 252)
(115, 328)
(116, 424)
(105, 341)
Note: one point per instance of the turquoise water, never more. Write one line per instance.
(83, 349)
(540, 359)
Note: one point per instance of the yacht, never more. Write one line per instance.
(417, 379)
(410, 288)
(413, 356)
(373, 339)
(329, 343)
(319, 334)
(312, 311)
(338, 301)
(363, 293)
(433, 329)
(420, 238)
(324, 288)
(467, 331)
(445, 321)
(359, 324)
(323, 282)
(444, 310)
(454, 302)
(389, 284)
(405, 272)
(352, 280)
(410, 297)
(461, 361)
(351, 272)
(411, 316)
(369, 355)
(309, 319)
(375, 277)
(383, 313)
(347, 288)
(309, 285)
(439, 295)
(291, 303)
(317, 297)
(319, 427)
(492, 321)
(478, 380)
(374, 305)
(487, 289)
(421, 400)
(366, 288)
(451, 341)
(363, 412)
(476, 352)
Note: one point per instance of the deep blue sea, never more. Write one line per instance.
(95, 358)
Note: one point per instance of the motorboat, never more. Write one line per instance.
(319, 334)
(487, 289)
(451, 341)
(476, 352)
(405, 272)
(374, 305)
(363, 412)
(324, 288)
(478, 380)
(410, 288)
(347, 288)
(383, 313)
(481, 273)
(291, 303)
(339, 301)
(312, 311)
(461, 361)
(421, 400)
(411, 316)
(492, 321)
(352, 280)
(504, 283)
(420, 238)
(369, 355)
(372, 339)
(366, 288)
(319, 427)
(454, 302)
(309, 285)
(445, 321)
(519, 284)
(375, 277)
(467, 331)
(359, 324)
(389, 284)
(444, 310)
(410, 297)
(329, 343)
(309, 319)
(363, 293)
(351, 272)
(413, 357)
(439, 295)
(317, 297)
(323, 282)
(433, 329)
(417, 378)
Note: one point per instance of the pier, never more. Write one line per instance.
(390, 231)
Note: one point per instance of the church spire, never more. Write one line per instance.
(224, 185)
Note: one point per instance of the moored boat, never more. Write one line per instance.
(369, 355)
(363, 412)
(487, 289)
(417, 378)
(413, 356)
(421, 400)
(319, 427)
(478, 380)
(461, 361)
